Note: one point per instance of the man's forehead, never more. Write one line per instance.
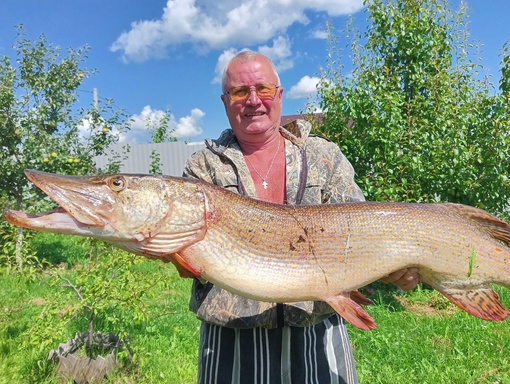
(252, 72)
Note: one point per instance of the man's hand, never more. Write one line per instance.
(405, 279)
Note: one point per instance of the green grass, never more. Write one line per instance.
(164, 346)
(429, 340)
(421, 337)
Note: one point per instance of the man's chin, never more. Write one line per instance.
(259, 124)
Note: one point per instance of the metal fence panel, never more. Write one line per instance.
(172, 155)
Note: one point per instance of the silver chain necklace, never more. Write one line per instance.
(264, 182)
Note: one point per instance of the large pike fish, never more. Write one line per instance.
(285, 253)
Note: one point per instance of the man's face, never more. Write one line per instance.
(254, 117)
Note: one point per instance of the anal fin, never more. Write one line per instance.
(360, 298)
(352, 311)
(482, 302)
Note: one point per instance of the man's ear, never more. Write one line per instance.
(280, 93)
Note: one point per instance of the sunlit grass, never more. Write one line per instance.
(429, 340)
(421, 337)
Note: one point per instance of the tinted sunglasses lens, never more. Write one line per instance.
(266, 91)
(239, 93)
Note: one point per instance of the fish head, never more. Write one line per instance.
(144, 214)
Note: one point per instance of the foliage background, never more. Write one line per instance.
(416, 117)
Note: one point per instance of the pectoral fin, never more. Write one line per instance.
(352, 312)
(184, 269)
(482, 302)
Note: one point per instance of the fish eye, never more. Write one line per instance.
(117, 183)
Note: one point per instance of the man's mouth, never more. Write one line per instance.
(255, 114)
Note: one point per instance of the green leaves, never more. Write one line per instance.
(422, 126)
(106, 293)
(40, 124)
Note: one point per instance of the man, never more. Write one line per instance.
(242, 340)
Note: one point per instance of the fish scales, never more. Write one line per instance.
(327, 241)
(284, 253)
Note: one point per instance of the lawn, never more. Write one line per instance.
(421, 338)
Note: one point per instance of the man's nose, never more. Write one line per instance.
(254, 98)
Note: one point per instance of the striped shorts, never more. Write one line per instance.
(319, 354)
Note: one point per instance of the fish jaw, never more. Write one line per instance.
(57, 221)
(138, 213)
(85, 199)
(83, 207)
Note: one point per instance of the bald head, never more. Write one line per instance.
(246, 57)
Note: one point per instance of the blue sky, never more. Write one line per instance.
(158, 55)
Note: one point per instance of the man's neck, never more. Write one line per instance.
(260, 148)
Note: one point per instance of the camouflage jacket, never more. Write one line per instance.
(317, 173)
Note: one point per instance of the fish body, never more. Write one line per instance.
(285, 253)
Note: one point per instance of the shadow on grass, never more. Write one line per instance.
(58, 249)
(384, 294)
(53, 253)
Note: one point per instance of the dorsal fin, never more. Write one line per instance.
(490, 224)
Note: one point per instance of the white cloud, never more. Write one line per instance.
(280, 54)
(305, 88)
(220, 24)
(189, 126)
(184, 127)
(320, 34)
(222, 62)
(143, 123)
(88, 128)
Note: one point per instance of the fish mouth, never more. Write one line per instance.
(57, 220)
(79, 199)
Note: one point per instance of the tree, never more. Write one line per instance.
(161, 132)
(415, 117)
(40, 128)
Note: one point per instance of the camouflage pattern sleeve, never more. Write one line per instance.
(330, 169)
(196, 167)
(342, 187)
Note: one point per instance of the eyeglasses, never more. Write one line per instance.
(242, 93)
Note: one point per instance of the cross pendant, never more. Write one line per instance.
(264, 184)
